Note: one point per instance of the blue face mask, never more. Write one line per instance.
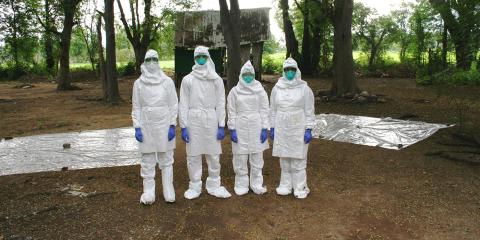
(201, 60)
(290, 75)
(248, 78)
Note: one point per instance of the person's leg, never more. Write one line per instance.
(241, 173)
(299, 176)
(213, 180)
(194, 166)
(256, 177)
(285, 186)
(147, 171)
(165, 163)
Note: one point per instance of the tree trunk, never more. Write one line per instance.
(111, 63)
(403, 51)
(69, 9)
(49, 59)
(139, 52)
(444, 47)
(344, 81)
(305, 61)
(460, 26)
(463, 53)
(325, 49)
(290, 39)
(373, 54)
(231, 31)
(315, 53)
(101, 59)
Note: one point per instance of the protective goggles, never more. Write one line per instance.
(151, 59)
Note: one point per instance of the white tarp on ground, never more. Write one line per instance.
(117, 147)
(379, 132)
(88, 149)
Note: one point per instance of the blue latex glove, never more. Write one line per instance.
(138, 134)
(308, 136)
(171, 132)
(185, 135)
(221, 133)
(233, 136)
(263, 135)
(272, 133)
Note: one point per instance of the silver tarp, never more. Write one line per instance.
(88, 149)
(117, 147)
(380, 132)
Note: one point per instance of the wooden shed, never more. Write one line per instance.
(194, 28)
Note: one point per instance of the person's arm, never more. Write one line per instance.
(232, 110)
(264, 110)
(136, 106)
(273, 107)
(172, 102)
(309, 108)
(220, 106)
(184, 101)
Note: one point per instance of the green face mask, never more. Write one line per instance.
(248, 78)
(290, 74)
(201, 60)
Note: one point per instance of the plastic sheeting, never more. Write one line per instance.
(117, 147)
(88, 149)
(380, 132)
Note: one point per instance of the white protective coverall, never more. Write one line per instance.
(202, 112)
(291, 113)
(154, 109)
(248, 110)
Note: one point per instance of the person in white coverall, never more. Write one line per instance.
(248, 121)
(154, 115)
(292, 117)
(202, 119)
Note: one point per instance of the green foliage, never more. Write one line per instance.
(127, 70)
(450, 77)
(272, 63)
(271, 46)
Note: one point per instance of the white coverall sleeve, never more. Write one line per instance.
(264, 110)
(273, 107)
(309, 108)
(136, 106)
(184, 102)
(220, 107)
(232, 109)
(172, 103)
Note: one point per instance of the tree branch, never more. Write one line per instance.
(124, 22)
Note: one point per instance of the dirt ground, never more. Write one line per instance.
(357, 192)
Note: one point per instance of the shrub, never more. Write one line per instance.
(127, 70)
(270, 65)
(453, 77)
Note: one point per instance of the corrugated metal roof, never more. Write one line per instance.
(195, 28)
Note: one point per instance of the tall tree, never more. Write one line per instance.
(111, 63)
(344, 81)
(403, 35)
(460, 18)
(69, 7)
(141, 33)
(230, 20)
(87, 30)
(101, 59)
(18, 34)
(290, 39)
(47, 14)
(48, 38)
